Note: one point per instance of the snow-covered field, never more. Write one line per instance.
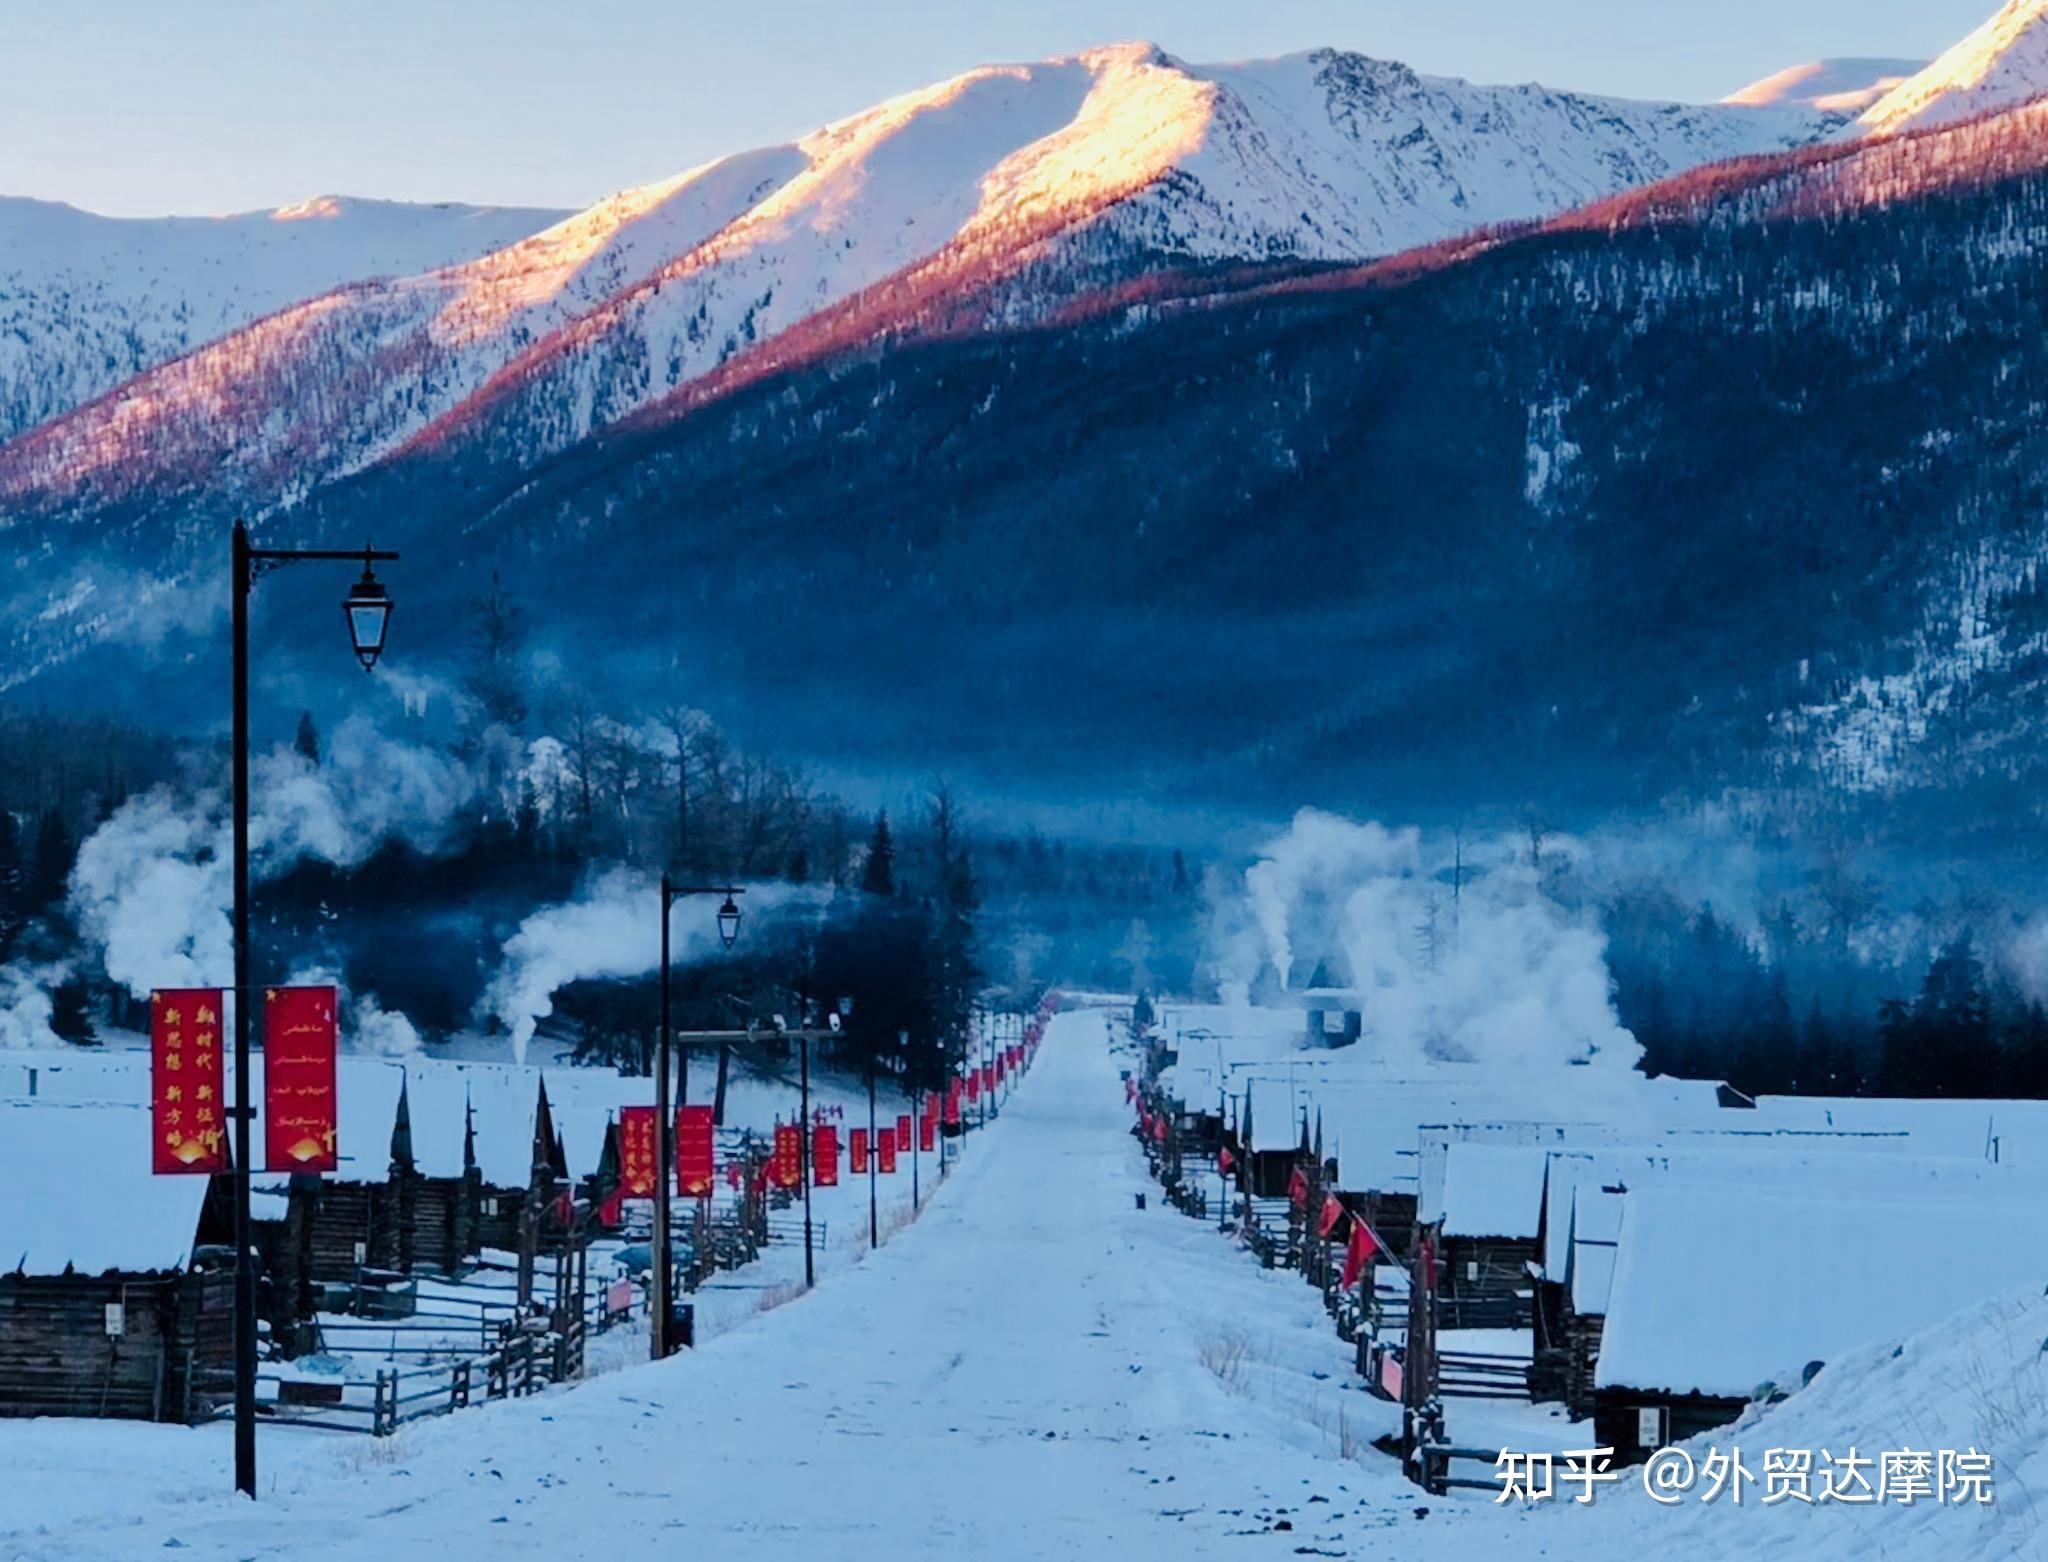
(1037, 1368)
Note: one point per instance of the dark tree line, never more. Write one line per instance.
(1706, 1003)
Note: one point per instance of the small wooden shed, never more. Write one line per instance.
(107, 1308)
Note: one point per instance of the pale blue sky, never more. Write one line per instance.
(148, 106)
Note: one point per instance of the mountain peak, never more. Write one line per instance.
(2002, 64)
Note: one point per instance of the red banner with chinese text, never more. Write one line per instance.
(300, 1039)
(638, 1174)
(824, 1156)
(696, 1156)
(187, 1123)
(857, 1153)
(885, 1151)
(787, 1166)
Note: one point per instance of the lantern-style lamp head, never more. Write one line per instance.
(368, 610)
(729, 921)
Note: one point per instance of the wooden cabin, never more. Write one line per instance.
(439, 1188)
(108, 1307)
(1722, 1292)
(1492, 1211)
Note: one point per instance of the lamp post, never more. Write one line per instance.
(803, 1028)
(367, 611)
(874, 1206)
(664, 1128)
(916, 1115)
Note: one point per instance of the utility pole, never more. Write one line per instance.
(874, 1206)
(804, 1075)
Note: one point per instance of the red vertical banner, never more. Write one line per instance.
(953, 1102)
(928, 1131)
(857, 1153)
(638, 1175)
(973, 1086)
(885, 1151)
(787, 1167)
(300, 1039)
(988, 1078)
(186, 1121)
(696, 1172)
(824, 1156)
(903, 1133)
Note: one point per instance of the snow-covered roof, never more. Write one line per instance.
(1593, 1229)
(78, 1193)
(1719, 1288)
(1493, 1190)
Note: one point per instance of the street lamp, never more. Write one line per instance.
(368, 612)
(662, 1259)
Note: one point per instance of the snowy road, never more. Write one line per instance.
(1019, 1374)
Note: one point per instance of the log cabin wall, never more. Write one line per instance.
(1487, 1284)
(58, 1358)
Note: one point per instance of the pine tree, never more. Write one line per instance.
(13, 898)
(50, 869)
(879, 876)
(497, 632)
(70, 1017)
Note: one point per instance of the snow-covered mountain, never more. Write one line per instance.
(1847, 86)
(89, 301)
(2001, 64)
(1118, 158)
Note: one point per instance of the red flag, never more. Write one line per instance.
(1297, 1189)
(185, 1082)
(953, 1103)
(973, 1085)
(1358, 1251)
(637, 1153)
(928, 1132)
(885, 1151)
(786, 1161)
(1332, 1212)
(695, 1151)
(903, 1132)
(857, 1153)
(824, 1156)
(1225, 1160)
(299, 1043)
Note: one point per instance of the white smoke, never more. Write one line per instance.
(366, 1025)
(1489, 969)
(25, 1008)
(152, 887)
(613, 931)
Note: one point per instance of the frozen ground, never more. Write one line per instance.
(1036, 1369)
